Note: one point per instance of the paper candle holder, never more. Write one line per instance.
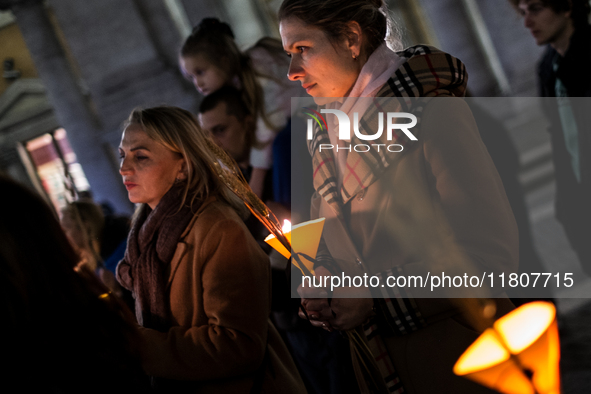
(304, 239)
(519, 354)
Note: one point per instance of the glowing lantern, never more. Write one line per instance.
(304, 239)
(519, 355)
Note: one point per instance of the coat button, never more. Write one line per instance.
(359, 262)
(360, 195)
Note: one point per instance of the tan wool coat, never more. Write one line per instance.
(442, 208)
(219, 292)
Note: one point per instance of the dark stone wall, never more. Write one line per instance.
(514, 46)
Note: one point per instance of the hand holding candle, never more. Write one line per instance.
(308, 233)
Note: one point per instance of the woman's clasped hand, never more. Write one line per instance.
(347, 308)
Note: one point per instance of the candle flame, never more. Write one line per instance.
(286, 226)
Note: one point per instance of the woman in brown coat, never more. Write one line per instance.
(200, 281)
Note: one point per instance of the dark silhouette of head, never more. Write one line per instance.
(63, 332)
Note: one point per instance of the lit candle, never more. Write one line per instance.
(304, 239)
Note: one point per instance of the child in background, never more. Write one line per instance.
(211, 59)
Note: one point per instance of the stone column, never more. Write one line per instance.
(68, 102)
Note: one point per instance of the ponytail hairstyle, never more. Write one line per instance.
(333, 16)
(215, 40)
(274, 48)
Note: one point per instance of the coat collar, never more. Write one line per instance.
(191, 224)
(181, 247)
(573, 69)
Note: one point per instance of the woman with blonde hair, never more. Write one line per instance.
(200, 281)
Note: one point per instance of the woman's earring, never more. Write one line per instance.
(177, 180)
(354, 57)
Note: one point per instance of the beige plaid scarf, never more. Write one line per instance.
(428, 72)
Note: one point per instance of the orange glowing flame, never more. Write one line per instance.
(286, 226)
(519, 354)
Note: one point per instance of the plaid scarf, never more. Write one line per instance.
(428, 72)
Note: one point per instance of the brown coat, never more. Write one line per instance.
(219, 288)
(441, 207)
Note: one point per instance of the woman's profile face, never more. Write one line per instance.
(148, 168)
(324, 68)
(206, 76)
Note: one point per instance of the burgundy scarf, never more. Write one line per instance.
(151, 245)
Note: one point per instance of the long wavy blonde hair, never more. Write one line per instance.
(179, 131)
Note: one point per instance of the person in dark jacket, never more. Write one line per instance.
(563, 73)
(64, 331)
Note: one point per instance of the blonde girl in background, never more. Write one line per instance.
(211, 59)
